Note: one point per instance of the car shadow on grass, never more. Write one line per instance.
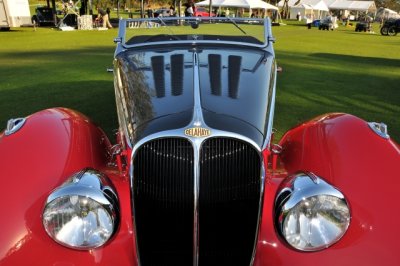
(361, 60)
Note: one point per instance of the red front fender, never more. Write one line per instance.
(345, 152)
(51, 146)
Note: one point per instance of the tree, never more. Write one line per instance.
(391, 4)
(285, 9)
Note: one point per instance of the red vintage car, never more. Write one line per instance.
(194, 176)
(202, 12)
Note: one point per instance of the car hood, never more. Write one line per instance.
(157, 89)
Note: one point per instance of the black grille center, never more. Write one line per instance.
(163, 195)
(230, 179)
(163, 202)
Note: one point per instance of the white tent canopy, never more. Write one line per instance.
(386, 13)
(321, 6)
(249, 4)
(302, 10)
(290, 3)
(354, 5)
(307, 11)
(336, 4)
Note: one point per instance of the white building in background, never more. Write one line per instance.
(14, 13)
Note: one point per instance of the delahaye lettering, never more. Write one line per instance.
(197, 132)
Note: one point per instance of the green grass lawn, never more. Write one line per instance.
(335, 71)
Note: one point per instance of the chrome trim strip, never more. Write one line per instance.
(263, 177)
(267, 140)
(13, 125)
(193, 19)
(380, 129)
(267, 30)
(120, 40)
(121, 117)
(194, 42)
(268, 33)
(196, 169)
(133, 208)
(197, 121)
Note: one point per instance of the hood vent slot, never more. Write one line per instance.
(157, 64)
(177, 65)
(214, 70)
(234, 68)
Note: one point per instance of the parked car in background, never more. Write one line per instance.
(391, 27)
(44, 17)
(326, 24)
(194, 176)
(363, 26)
(202, 12)
(162, 12)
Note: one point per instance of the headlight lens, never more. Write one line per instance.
(311, 214)
(82, 214)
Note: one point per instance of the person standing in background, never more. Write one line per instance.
(108, 11)
(104, 16)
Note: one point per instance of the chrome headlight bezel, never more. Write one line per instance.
(89, 186)
(313, 198)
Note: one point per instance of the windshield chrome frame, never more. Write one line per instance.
(123, 23)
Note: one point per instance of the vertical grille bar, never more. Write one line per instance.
(230, 180)
(163, 202)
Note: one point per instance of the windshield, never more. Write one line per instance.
(189, 29)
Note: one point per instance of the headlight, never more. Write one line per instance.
(310, 214)
(83, 212)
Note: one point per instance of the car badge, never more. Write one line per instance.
(197, 132)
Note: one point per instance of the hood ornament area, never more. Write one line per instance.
(197, 132)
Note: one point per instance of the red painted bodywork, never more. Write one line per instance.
(345, 152)
(50, 147)
(341, 149)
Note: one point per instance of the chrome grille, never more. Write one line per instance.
(229, 198)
